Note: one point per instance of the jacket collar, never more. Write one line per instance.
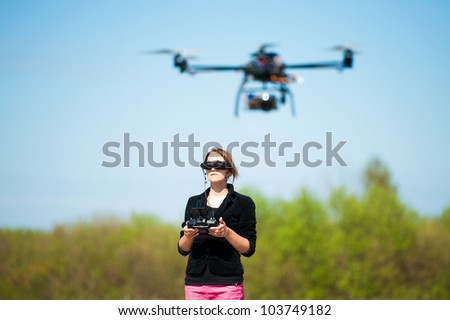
(228, 201)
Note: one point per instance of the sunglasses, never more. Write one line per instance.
(218, 165)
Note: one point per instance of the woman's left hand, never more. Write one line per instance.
(221, 231)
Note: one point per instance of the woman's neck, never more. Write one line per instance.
(217, 194)
(218, 189)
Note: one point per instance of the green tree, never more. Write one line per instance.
(368, 246)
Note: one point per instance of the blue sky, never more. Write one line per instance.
(72, 78)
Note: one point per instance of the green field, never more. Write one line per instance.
(367, 246)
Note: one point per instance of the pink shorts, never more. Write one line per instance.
(214, 292)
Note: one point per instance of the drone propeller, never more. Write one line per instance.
(344, 48)
(348, 52)
(183, 52)
(339, 47)
(160, 51)
(262, 48)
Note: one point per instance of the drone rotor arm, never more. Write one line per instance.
(200, 68)
(318, 65)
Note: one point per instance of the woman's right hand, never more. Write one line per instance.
(189, 232)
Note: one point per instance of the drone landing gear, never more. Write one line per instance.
(238, 97)
(283, 91)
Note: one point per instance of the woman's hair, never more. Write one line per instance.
(228, 159)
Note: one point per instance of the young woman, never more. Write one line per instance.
(214, 269)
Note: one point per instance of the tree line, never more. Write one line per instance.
(368, 246)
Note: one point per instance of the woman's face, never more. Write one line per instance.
(216, 175)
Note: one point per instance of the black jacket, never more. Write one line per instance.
(238, 212)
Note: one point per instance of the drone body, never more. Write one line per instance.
(265, 68)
